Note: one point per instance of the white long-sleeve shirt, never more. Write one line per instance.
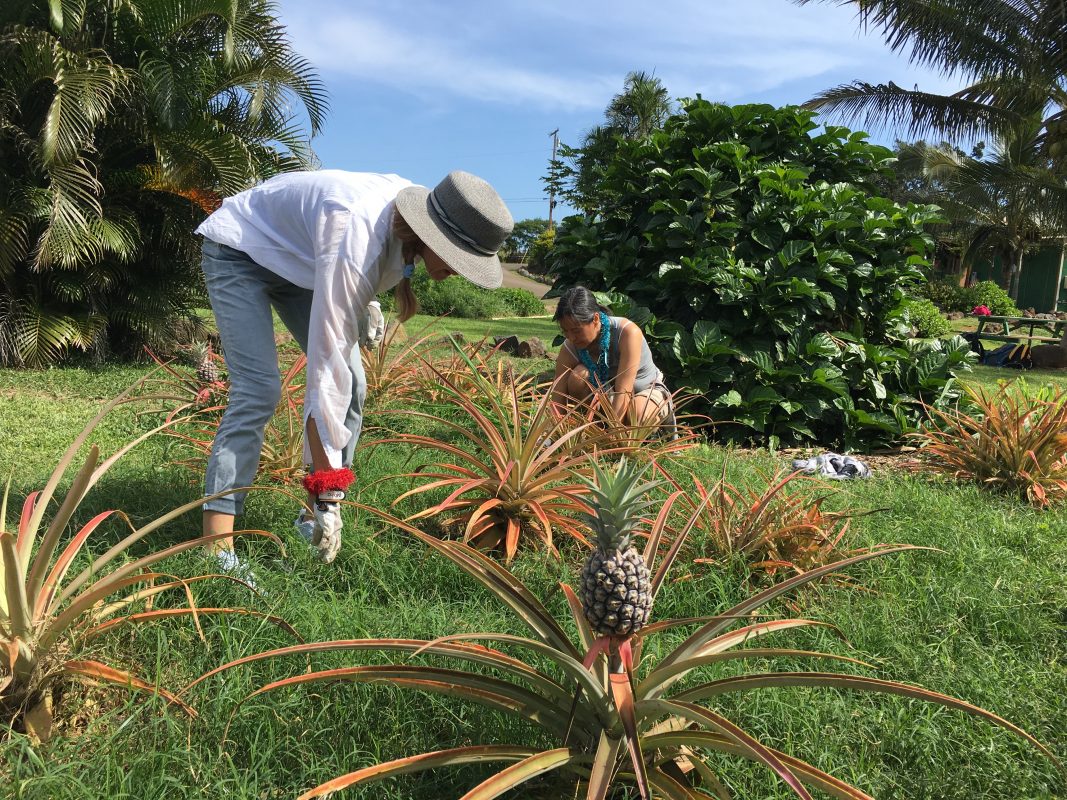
(328, 231)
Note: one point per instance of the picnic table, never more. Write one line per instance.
(1021, 329)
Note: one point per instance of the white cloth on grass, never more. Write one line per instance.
(833, 466)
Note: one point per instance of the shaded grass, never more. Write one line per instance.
(983, 619)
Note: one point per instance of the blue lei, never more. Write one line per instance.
(598, 372)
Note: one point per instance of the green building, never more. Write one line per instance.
(1043, 282)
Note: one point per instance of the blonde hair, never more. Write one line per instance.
(407, 305)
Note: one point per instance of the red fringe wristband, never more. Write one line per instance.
(329, 480)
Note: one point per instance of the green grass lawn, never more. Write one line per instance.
(984, 618)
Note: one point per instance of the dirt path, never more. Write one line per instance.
(514, 280)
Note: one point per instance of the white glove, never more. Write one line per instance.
(326, 535)
(373, 325)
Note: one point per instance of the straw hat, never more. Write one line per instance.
(464, 221)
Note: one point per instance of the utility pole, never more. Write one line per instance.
(551, 195)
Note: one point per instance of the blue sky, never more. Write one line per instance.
(420, 88)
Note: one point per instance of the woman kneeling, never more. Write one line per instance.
(610, 355)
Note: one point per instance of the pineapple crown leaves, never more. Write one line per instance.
(619, 498)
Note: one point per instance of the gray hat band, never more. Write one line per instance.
(455, 229)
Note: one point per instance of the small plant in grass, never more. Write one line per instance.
(46, 615)
(612, 717)
(603, 429)
(390, 368)
(776, 527)
(282, 458)
(1011, 440)
(514, 477)
(203, 390)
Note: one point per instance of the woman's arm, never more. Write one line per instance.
(630, 341)
(565, 363)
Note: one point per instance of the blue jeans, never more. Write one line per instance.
(242, 294)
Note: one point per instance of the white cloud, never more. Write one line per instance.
(572, 55)
(357, 47)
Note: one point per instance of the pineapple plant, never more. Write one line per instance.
(616, 586)
(206, 369)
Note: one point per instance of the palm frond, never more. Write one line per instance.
(882, 106)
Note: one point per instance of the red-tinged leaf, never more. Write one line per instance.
(119, 578)
(546, 527)
(477, 654)
(713, 741)
(759, 752)
(449, 480)
(658, 528)
(14, 585)
(477, 514)
(676, 546)
(670, 788)
(47, 547)
(527, 769)
(658, 680)
(720, 622)
(511, 540)
(466, 486)
(440, 758)
(97, 671)
(59, 570)
(485, 690)
(622, 691)
(600, 646)
(585, 633)
(25, 541)
(505, 586)
(603, 770)
(745, 683)
(626, 656)
(741, 635)
(166, 613)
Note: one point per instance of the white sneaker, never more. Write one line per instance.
(229, 563)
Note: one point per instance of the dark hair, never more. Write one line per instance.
(579, 304)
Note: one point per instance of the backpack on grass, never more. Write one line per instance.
(1013, 356)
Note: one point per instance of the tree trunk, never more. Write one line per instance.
(1016, 273)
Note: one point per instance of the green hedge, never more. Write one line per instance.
(521, 302)
(949, 296)
(927, 319)
(458, 297)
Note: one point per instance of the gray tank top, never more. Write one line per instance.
(647, 372)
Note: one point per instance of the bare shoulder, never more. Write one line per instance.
(630, 334)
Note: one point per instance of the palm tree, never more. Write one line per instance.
(121, 123)
(1013, 56)
(1011, 53)
(640, 109)
(998, 210)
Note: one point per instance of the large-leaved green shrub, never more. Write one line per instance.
(774, 281)
(926, 319)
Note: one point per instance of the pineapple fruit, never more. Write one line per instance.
(206, 369)
(616, 586)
